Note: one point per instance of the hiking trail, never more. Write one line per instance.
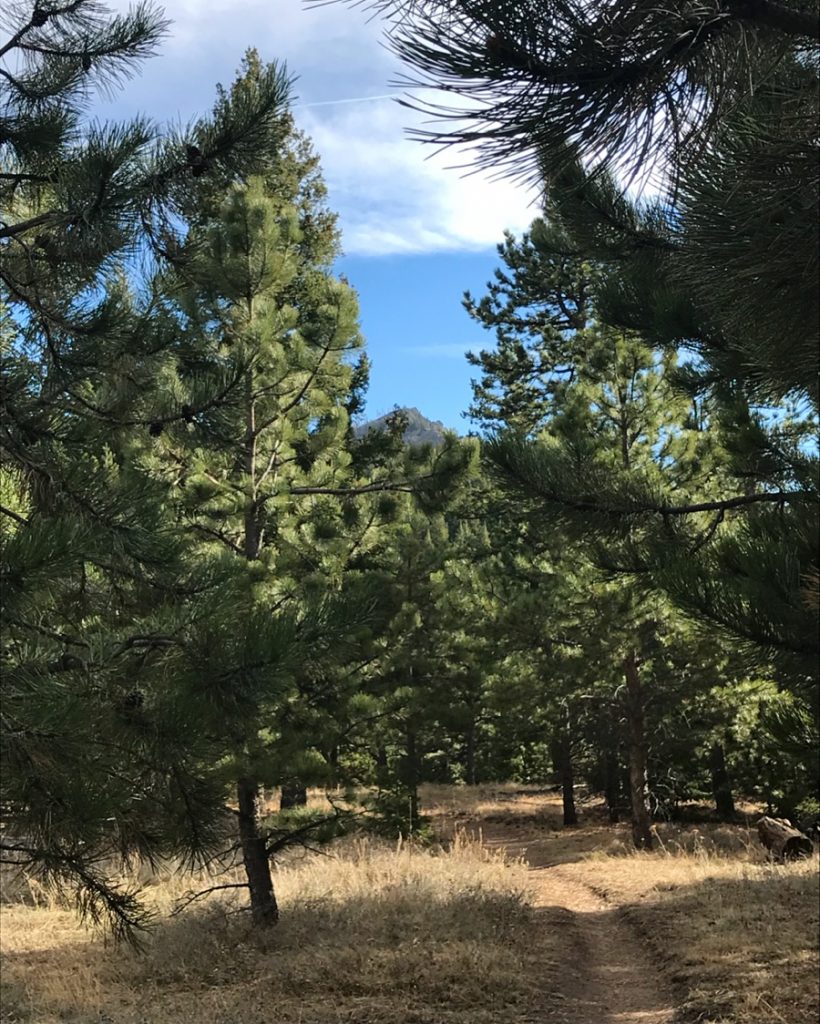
(606, 974)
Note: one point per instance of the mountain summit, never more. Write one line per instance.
(419, 429)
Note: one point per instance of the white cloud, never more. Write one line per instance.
(396, 195)
(392, 195)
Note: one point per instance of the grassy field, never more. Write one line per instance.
(377, 933)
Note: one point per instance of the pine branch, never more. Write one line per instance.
(15, 516)
(707, 535)
(35, 21)
(741, 501)
(295, 835)
(95, 896)
(59, 638)
(217, 535)
(341, 492)
(190, 898)
(26, 225)
(778, 16)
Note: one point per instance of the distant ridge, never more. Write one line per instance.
(419, 430)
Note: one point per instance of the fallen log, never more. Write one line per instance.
(783, 841)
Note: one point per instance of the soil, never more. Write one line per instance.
(606, 975)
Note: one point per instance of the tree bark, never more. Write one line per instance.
(264, 910)
(608, 773)
(469, 753)
(721, 785)
(611, 787)
(294, 794)
(411, 780)
(562, 759)
(639, 799)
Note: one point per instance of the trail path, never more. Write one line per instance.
(605, 975)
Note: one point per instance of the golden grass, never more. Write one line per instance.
(492, 802)
(738, 934)
(380, 934)
(372, 934)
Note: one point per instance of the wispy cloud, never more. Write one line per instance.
(393, 194)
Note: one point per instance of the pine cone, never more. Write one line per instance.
(196, 160)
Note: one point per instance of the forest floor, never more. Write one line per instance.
(508, 919)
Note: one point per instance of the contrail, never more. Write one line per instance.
(352, 99)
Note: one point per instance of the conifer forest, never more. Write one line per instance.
(311, 718)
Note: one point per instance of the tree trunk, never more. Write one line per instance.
(264, 910)
(562, 759)
(411, 780)
(641, 818)
(469, 753)
(608, 777)
(294, 794)
(782, 840)
(611, 787)
(721, 786)
(253, 844)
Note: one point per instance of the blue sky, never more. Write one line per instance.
(417, 330)
(416, 231)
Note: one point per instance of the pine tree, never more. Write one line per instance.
(272, 481)
(717, 105)
(248, 501)
(102, 602)
(717, 558)
(538, 309)
(260, 482)
(602, 422)
(410, 680)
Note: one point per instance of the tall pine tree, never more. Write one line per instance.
(102, 602)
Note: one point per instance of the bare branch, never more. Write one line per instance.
(14, 515)
(189, 898)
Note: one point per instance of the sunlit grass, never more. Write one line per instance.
(369, 932)
(377, 933)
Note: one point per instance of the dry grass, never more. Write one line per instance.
(373, 934)
(737, 934)
(500, 802)
(376, 934)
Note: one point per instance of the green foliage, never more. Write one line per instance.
(306, 827)
(214, 584)
(394, 814)
(103, 600)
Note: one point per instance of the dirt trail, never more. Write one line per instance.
(605, 975)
